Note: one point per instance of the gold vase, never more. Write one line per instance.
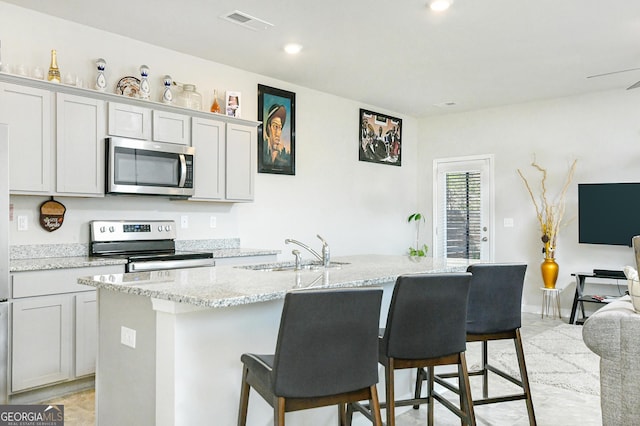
(549, 270)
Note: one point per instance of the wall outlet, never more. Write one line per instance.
(23, 223)
(212, 222)
(508, 222)
(184, 221)
(128, 337)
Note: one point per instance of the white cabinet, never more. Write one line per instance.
(86, 333)
(208, 138)
(27, 111)
(135, 122)
(53, 326)
(171, 127)
(129, 121)
(57, 135)
(41, 343)
(241, 162)
(80, 136)
(225, 160)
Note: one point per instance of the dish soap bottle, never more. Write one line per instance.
(54, 72)
(215, 107)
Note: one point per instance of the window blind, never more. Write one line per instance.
(461, 219)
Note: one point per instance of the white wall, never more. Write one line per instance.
(600, 130)
(358, 207)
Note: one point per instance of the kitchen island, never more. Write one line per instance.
(170, 342)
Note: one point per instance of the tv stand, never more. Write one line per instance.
(580, 297)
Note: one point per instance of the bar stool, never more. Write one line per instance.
(494, 313)
(326, 354)
(425, 328)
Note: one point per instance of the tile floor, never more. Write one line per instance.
(553, 406)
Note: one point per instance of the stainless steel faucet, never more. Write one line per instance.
(325, 258)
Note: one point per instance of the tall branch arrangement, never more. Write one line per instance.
(549, 213)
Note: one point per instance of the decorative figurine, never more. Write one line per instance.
(167, 96)
(101, 81)
(145, 89)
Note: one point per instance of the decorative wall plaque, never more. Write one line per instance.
(52, 215)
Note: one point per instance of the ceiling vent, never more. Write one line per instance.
(247, 21)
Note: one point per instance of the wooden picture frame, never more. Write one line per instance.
(380, 138)
(276, 133)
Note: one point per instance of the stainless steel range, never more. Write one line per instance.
(147, 245)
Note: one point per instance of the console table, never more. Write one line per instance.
(580, 297)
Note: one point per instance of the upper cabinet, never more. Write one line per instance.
(225, 160)
(171, 127)
(28, 113)
(208, 138)
(241, 162)
(57, 134)
(79, 145)
(129, 121)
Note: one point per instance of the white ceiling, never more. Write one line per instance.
(396, 54)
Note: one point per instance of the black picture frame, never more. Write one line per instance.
(380, 138)
(273, 105)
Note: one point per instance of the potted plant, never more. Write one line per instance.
(417, 251)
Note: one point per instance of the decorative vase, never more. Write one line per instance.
(549, 270)
(101, 81)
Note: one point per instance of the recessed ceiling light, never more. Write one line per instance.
(293, 48)
(440, 5)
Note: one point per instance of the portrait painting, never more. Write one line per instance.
(276, 133)
(380, 138)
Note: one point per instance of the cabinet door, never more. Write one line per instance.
(80, 145)
(208, 138)
(41, 341)
(129, 121)
(27, 111)
(86, 333)
(171, 127)
(240, 162)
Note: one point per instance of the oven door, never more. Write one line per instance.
(151, 168)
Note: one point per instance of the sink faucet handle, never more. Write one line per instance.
(296, 253)
(325, 251)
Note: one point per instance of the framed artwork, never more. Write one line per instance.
(277, 131)
(232, 104)
(380, 138)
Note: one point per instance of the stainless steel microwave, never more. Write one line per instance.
(148, 168)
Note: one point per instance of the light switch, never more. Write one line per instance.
(184, 221)
(212, 222)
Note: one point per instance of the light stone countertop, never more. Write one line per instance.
(223, 286)
(47, 263)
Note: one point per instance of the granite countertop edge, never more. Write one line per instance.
(227, 286)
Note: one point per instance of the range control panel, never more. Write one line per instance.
(125, 230)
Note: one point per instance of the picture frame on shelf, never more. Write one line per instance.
(380, 138)
(232, 104)
(276, 133)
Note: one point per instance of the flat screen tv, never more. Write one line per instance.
(608, 213)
